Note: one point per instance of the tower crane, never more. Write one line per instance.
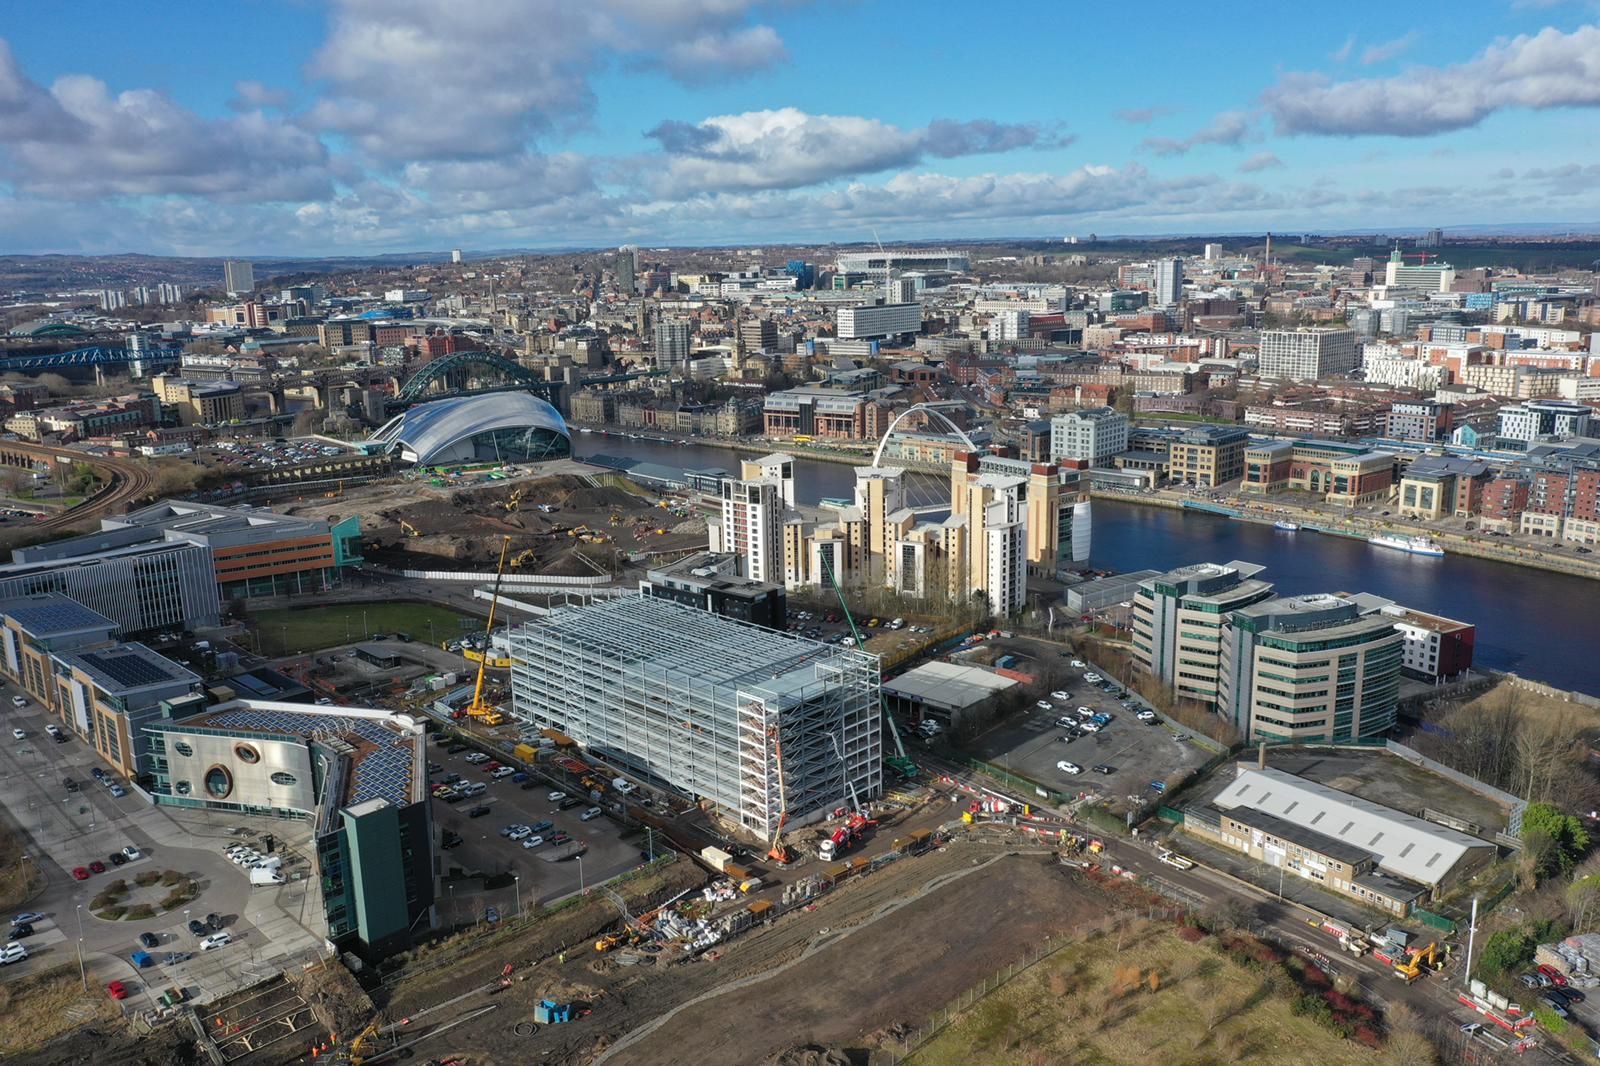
(484, 712)
(899, 762)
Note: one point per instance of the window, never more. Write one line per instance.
(218, 782)
(183, 749)
(281, 778)
(246, 753)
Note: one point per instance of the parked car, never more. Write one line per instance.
(1556, 1006)
(19, 701)
(1045, 705)
(557, 839)
(214, 922)
(117, 791)
(450, 840)
(1554, 974)
(216, 940)
(55, 731)
(1102, 768)
(132, 853)
(1060, 694)
(1146, 716)
(12, 952)
(479, 811)
(20, 931)
(503, 772)
(533, 842)
(591, 813)
(149, 940)
(491, 914)
(569, 803)
(69, 784)
(26, 917)
(1090, 727)
(1069, 767)
(197, 928)
(19, 734)
(520, 832)
(1529, 980)
(118, 859)
(556, 796)
(117, 990)
(97, 867)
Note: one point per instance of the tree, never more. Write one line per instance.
(1583, 901)
(1566, 832)
(1505, 951)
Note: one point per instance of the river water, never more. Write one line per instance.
(1542, 625)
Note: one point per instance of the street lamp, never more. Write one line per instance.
(516, 883)
(83, 974)
(580, 871)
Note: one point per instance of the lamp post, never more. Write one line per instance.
(83, 974)
(516, 883)
(580, 872)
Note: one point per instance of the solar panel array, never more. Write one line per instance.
(54, 613)
(384, 772)
(129, 669)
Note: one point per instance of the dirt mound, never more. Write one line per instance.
(809, 1055)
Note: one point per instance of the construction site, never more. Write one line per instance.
(566, 524)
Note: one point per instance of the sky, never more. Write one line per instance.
(353, 127)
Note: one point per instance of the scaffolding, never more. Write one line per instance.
(703, 702)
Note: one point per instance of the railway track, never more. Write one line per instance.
(126, 482)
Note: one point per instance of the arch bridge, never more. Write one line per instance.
(468, 372)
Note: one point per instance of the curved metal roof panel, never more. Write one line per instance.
(429, 427)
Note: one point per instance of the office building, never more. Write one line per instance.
(1307, 354)
(711, 582)
(1167, 287)
(35, 628)
(144, 585)
(752, 527)
(878, 321)
(707, 705)
(672, 344)
(108, 694)
(1009, 326)
(811, 411)
(1345, 474)
(1423, 277)
(1208, 456)
(199, 403)
(1178, 619)
(1213, 253)
(1092, 435)
(238, 277)
(627, 269)
(1340, 842)
(1441, 486)
(358, 775)
(1309, 668)
(1528, 422)
(1435, 648)
(758, 334)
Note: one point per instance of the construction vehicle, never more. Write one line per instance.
(408, 529)
(779, 851)
(609, 941)
(899, 762)
(354, 1053)
(514, 500)
(1413, 967)
(524, 557)
(478, 709)
(854, 828)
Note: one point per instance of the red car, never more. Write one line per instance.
(1554, 974)
(80, 873)
(490, 767)
(117, 990)
(97, 867)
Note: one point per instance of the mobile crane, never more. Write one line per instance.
(779, 852)
(899, 762)
(484, 712)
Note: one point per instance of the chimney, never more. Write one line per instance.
(1261, 756)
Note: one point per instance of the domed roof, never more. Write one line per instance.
(429, 428)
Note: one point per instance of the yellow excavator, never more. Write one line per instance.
(354, 1053)
(408, 529)
(514, 500)
(478, 709)
(1414, 967)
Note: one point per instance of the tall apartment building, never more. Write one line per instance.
(1178, 619)
(1092, 435)
(752, 526)
(777, 467)
(758, 334)
(1009, 325)
(1056, 505)
(995, 509)
(1167, 283)
(238, 277)
(672, 344)
(1310, 668)
(707, 704)
(1208, 456)
(627, 267)
(1307, 354)
(880, 496)
(1529, 421)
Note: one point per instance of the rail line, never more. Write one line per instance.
(126, 483)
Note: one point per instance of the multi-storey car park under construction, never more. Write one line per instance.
(770, 726)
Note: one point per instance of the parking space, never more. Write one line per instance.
(541, 875)
(1116, 760)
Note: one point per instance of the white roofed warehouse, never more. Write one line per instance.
(707, 704)
(496, 427)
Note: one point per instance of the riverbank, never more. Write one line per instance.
(800, 451)
(1361, 527)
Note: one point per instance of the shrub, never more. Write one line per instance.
(111, 913)
(175, 899)
(1368, 1036)
(142, 910)
(148, 878)
(170, 877)
(102, 901)
(117, 887)
(1190, 934)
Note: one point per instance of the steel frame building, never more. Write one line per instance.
(706, 704)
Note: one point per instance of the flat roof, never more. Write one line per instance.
(947, 685)
(48, 614)
(1403, 844)
(127, 668)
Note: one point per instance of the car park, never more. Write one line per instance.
(1069, 767)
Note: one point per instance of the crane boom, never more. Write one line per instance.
(476, 708)
(901, 762)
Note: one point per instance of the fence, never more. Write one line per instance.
(1438, 921)
(510, 580)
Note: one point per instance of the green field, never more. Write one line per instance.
(295, 630)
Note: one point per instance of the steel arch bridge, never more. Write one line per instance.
(98, 355)
(932, 410)
(454, 371)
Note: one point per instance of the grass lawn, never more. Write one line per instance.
(1080, 1006)
(53, 1003)
(291, 631)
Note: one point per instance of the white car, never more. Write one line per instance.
(1084, 712)
(519, 832)
(131, 853)
(12, 952)
(504, 771)
(476, 758)
(532, 842)
(1146, 716)
(1069, 767)
(1079, 664)
(216, 940)
(1089, 727)
(1060, 694)
(556, 796)
(1092, 677)
(591, 813)
(19, 701)
(1045, 705)
(19, 734)
(1066, 723)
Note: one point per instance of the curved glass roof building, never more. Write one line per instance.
(497, 427)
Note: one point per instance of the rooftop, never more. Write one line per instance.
(128, 668)
(1403, 844)
(947, 684)
(49, 614)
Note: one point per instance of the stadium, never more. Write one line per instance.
(500, 427)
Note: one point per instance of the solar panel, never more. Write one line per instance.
(129, 669)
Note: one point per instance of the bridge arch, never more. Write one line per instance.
(929, 409)
(460, 367)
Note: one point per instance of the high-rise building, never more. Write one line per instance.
(778, 467)
(238, 277)
(1213, 252)
(455, 255)
(1307, 354)
(752, 526)
(878, 322)
(758, 334)
(707, 704)
(1093, 435)
(1178, 619)
(627, 268)
(1423, 277)
(1008, 326)
(995, 509)
(672, 344)
(113, 299)
(1309, 668)
(1168, 281)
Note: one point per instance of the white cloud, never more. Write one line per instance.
(788, 148)
(1546, 70)
(1382, 53)
(1228, 128)
(1258, 162)
(254, 95)
(1344, 51)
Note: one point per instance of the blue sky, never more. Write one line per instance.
(360, 126)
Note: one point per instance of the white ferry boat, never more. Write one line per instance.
(1285, 525)
(1414, 545)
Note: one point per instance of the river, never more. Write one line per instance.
(1542, 625)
